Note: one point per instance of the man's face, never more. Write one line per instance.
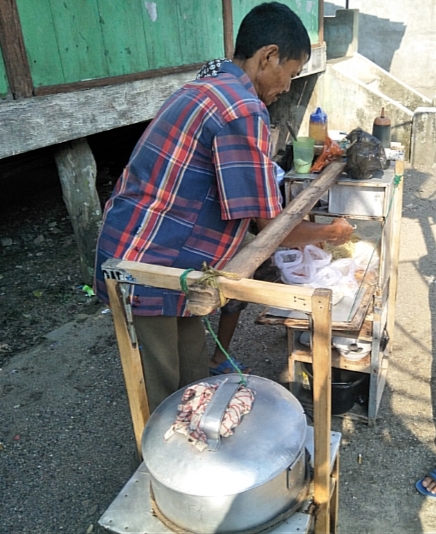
(275, 77)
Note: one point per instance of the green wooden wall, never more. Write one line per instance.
(307, 10)
(3, 80)
(73, 40)
(68, 41)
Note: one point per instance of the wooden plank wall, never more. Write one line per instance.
(77, 40)
(307, 10)
(3, 80)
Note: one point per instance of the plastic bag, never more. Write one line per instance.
(313, 267)
(330, 151)
(364, 155)
(298, 267)
(347, 267)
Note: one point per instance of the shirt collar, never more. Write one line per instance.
(231, 68)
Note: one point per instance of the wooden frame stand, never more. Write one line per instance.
(202, 300)
(373, 322)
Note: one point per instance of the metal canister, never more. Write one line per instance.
(382, 129)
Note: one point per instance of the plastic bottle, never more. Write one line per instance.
(382, 129)
(318, 129)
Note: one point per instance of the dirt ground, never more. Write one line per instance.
(66, 438)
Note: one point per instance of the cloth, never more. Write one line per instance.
(174, 354)
(211, 68)
(200, 171)
(193, 405)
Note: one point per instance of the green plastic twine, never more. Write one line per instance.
(184, 286)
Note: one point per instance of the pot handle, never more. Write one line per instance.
(215, 410)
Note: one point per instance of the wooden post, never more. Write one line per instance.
(77, 174)
(14, 50)
(395, 247)
(228, 28)
(334, 502)
(131, 364)
(322, 336)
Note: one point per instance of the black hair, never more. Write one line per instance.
(272, 23)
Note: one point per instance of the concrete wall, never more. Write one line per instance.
(398, 36)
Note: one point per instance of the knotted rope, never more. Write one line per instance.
(210, 279)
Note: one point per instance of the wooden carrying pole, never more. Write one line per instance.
(202, 301)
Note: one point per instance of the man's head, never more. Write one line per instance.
(272, 46)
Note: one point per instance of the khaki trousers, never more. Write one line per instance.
(173, 352)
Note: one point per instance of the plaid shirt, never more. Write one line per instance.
(198, 174)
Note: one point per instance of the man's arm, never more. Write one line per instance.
(336, 233)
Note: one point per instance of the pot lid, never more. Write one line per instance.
(266, 442)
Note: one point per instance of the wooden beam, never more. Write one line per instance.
(48, 120)
(42, 121)
(202, 301)
(257, 291)
(131, 364)
(321, 349)
(265, 243)
(320, 21)
(397, 205)
(14, 51)
(113, 80)
(228, 28)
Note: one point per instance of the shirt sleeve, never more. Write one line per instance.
(247, 185)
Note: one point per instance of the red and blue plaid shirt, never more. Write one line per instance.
(199, 173)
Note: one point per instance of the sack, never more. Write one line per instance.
(364, 155)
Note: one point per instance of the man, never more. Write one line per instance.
(198, 175)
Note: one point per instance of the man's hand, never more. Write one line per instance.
(341, 230)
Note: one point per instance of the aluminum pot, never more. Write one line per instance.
(240, 482)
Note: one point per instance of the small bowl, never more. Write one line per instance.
(351, 349)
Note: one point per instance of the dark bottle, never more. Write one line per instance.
(382, 129)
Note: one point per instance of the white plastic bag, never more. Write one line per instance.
(330, 278)
(301, 267)
(348, 267)
(288, 258)
(313, 267)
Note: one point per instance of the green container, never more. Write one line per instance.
(303, 154)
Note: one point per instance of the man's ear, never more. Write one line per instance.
(269, 53)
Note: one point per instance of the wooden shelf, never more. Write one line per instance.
(356, 324)
(374, 318)
(304, 355)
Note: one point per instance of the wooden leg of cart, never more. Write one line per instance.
(334, 502)
(395, 248)
(321, 315)
(131, 363)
